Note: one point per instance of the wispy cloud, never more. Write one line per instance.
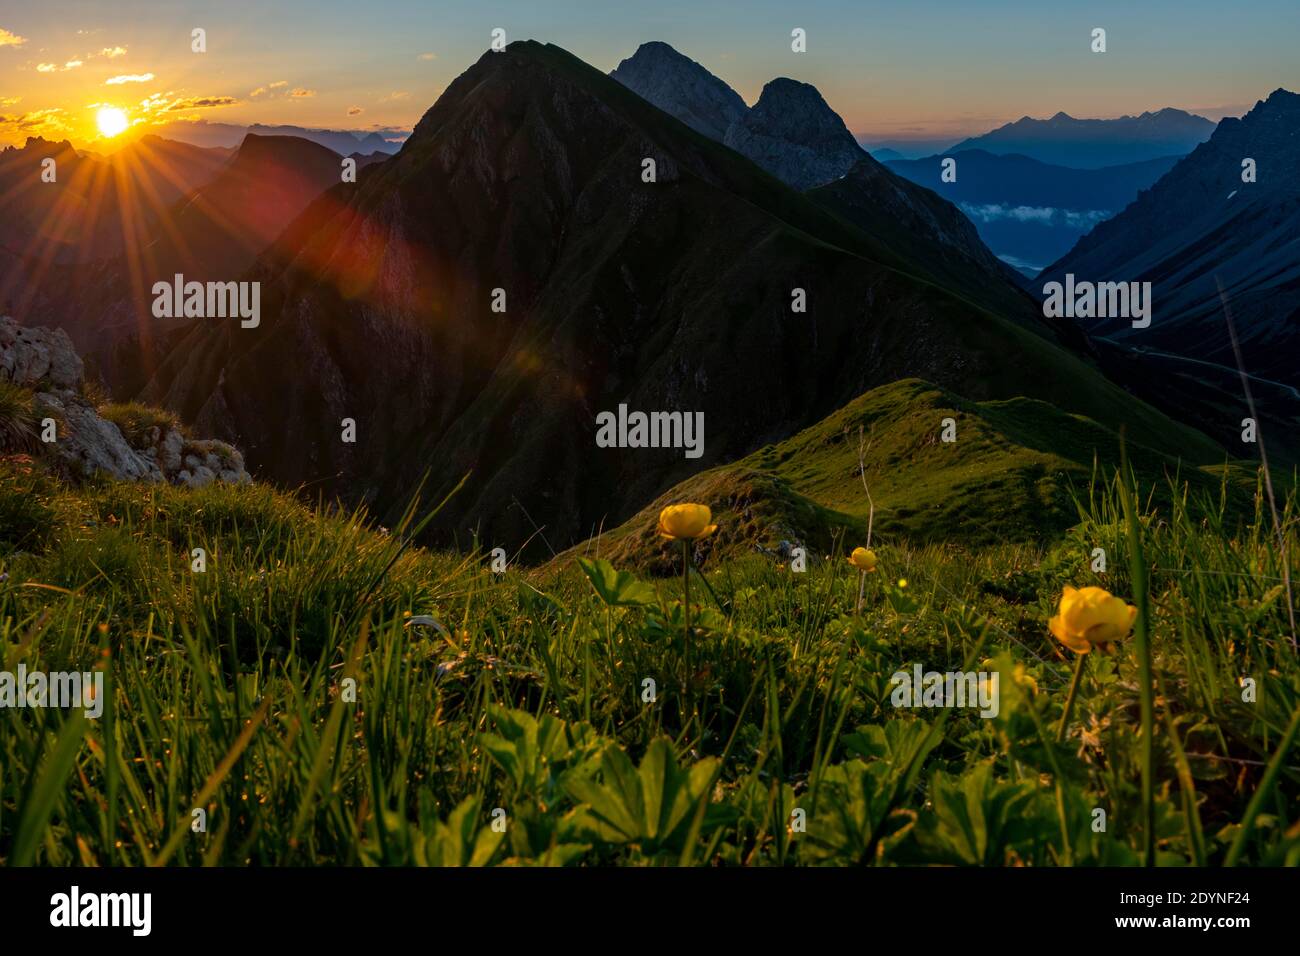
(10, 39)
(200, 103)
(428, 56)
(299, 93)
(128, 78)
(55, 68)
(112, 52)
(269, 88)
(355, 111)
(395, 96)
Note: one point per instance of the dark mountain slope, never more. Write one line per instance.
(794, 134)
(984, 177)
(674, 295)
(214, 233)
(1201, 226)
(95, 204)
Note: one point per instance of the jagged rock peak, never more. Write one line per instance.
(793, 134)
(681, 87)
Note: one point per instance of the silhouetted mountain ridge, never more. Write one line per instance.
(1092, 143)
(675, 295)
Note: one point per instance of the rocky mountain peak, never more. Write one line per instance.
(681, 87)
(793, 134)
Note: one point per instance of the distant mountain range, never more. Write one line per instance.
(95, 201)
(236, 204)
(672, 295)
(792, 133)
(1028, 212)
(1093, 143)
(1201, 229)
(343, 142)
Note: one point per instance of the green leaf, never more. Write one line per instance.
(617, 588)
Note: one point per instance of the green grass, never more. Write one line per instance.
(1013, 474)
(17, 417)
(228, 691)
(140, 424)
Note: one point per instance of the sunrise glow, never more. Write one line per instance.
(110, 120)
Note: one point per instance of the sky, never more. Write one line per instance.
(904, 70)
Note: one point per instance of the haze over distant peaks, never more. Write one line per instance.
(343, 142)
(1065, 140)
(1211, 224)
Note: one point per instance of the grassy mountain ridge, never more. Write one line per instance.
(1012, 474)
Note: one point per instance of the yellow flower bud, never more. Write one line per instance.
(687, 521)
(1091, 618)
(863, 559)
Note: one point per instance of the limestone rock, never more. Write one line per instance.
(32, 356)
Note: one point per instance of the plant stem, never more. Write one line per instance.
(1142, 633)
(862, 583)
(1069, 698)
(686, 617)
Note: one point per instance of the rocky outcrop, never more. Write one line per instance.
(86, 442)
(29, 356)
(793, 134)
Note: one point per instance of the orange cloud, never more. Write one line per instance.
(201, 102)
(301, 93)
(128, 78)
(10, 39)
(36, 123)
(355, 111)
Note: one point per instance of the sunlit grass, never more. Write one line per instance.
(229, 692)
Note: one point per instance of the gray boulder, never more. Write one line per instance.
(31, 356)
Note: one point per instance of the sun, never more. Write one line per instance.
(111, 121)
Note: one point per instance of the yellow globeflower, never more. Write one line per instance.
(863, 559)
(1091, 618)
(677, 522)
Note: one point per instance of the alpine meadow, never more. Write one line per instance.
(434, 436)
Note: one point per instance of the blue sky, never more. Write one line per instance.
(898, 70)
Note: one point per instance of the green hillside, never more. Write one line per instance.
(1012, 474)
